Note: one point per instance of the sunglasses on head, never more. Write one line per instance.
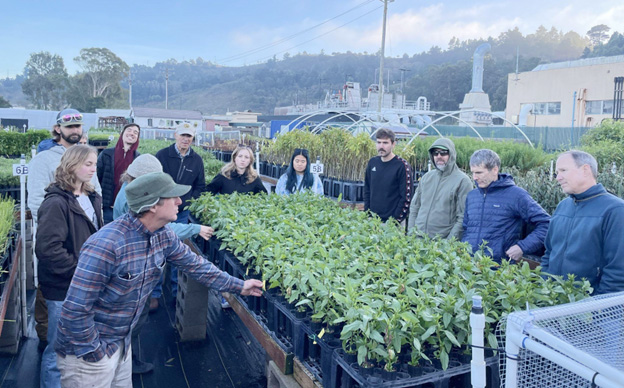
(70, 118)
(439, 153)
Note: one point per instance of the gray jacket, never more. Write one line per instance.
(41, 173)
(438, 205)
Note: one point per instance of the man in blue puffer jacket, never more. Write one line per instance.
(496, 210)
(586, 236)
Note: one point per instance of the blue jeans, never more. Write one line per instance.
(157, 291)
(183, 218)
(107, 214)
(50, 375)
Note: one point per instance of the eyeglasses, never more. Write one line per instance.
(439, 153)
(70, 118)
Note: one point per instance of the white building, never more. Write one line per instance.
(578, 93)
(166, 118)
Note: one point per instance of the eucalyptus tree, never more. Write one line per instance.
(46, 81)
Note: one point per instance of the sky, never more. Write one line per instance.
(245, 32)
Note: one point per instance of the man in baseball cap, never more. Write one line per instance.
(117, 270)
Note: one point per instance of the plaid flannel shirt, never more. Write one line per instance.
(118, 268)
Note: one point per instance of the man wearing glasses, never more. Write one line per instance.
(438, 205)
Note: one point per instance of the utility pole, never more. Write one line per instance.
(166, 88)
(403, 70)
(383, 53)
(130, 88)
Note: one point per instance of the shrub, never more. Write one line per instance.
(389, 290)
(15, 144)
(7, 220)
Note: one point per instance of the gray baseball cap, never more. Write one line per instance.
(145, 191)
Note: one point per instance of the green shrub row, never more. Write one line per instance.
(15, 143)
(389, 292)
(345, 156)
(7, 221)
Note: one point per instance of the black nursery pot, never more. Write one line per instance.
(350, 357)
(388, 376)
(316, 326)
(414, 370)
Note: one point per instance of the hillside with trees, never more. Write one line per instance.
(441, 75)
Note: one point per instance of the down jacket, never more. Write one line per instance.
(496, 215)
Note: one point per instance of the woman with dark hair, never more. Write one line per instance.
(69, 214)
(238, 176)
(298, 176)
(113, 162)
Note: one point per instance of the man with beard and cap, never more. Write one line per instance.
(51, 142)
(438, 205)
(113, 162)
(388, 180)
(497, 211)
(67, 132)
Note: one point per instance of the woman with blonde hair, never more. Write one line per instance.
(238, 176)
(70, 212)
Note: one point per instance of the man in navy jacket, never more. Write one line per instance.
(497, 209)
(184, 165)
(586, 235)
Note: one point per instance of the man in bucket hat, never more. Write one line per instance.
(117, 270)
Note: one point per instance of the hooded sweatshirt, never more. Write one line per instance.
(438, 205)
(41, 173)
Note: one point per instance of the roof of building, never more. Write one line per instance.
(113, 112)
(167, 113)
(43, 119)
(580, 63)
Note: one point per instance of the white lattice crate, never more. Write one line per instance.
(570, 345)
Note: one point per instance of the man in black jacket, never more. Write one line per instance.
(184, 165)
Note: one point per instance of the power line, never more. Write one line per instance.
(328, 32)
(269, 45)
